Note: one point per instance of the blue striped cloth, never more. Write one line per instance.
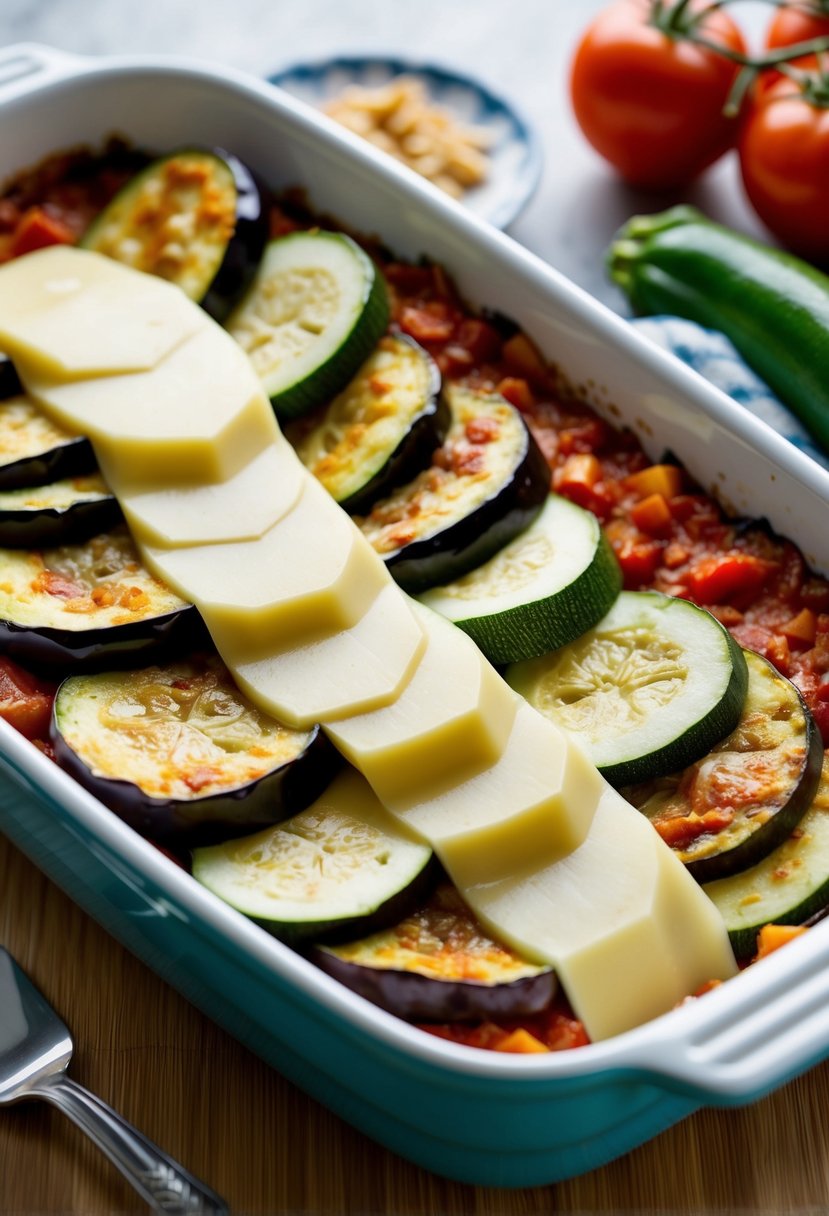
(713, 356)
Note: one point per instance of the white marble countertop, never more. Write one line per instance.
(521, 49)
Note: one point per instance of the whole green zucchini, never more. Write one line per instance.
(773, 306)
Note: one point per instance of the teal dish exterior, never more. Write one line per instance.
(486, 1118)
(467, 1128)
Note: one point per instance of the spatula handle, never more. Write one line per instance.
(163, 1183)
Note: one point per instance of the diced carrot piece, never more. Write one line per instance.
(664, 479)
(801, 628)
(517, 392)
(582, 469)
(653, 515)
(772, 937)
(523, 355)
(521, 1042)
(36, 230)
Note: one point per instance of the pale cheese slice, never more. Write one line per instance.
(627, 928)
(242, 508)
(533, 805)
(199, 416)
(451, 721)
(311, 574)
(350, 672)
(79, 316)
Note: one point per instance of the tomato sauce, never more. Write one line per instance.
(666, 532)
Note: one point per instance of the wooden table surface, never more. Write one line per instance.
(267, 1148)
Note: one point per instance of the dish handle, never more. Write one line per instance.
(758, 1031)
(29, 65)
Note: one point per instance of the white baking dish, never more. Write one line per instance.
(480, 1117)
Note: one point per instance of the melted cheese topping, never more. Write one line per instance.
(364, 425)
(57, 495)
(99, 583)
(181, 732)
(26, 431)
(485, 444)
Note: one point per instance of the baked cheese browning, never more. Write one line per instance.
(174, 220)
(26, 431)
(485, 442)
(77, 587)
(56, 496)
(181, 731)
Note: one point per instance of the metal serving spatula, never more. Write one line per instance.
(35, 1050)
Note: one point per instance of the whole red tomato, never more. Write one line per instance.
(798, 23)
(648, 98)
(784, 161)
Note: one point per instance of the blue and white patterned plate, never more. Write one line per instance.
(515, 153)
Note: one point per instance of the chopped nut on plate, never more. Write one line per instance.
(400, 119)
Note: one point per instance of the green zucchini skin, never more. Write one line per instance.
(775, 726)
(773, 306)
(788, 887)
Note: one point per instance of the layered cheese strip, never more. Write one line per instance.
(307, 618)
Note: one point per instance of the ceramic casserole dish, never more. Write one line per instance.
(480, 1117)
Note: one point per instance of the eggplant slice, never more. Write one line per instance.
(181, 755)
(10, 384)
(382, 428)
(197, 218)
(440, 965)
(338, 869)
(34, 450)
(485, 485)
(60, 513)
(81, 607)
(728, 811)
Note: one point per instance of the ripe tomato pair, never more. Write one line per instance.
(648, 98)
(784, 139)
(649, 83)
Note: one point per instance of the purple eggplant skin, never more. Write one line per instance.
(73, 459)
(419, 998)
(246, 246)
(473, 540)
(183, 824)
(414, 451)
(50, 527)
(10, 382)
(56, 652)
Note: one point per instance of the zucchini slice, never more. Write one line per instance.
(648, 690)
(382, 428)
(341, 868)
(34, 450)
(61, 512)
(440, 965)
(78, 607)
(181, 755)
(314, 312)
(787, 887)
(555, 581)
(196, 218)
(729, 809)
(484, 486)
